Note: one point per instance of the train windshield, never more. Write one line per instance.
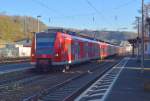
(45, 43)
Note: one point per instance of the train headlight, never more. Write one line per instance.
(32, 55)
(56, 54)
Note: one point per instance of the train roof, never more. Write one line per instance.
(82, 39)
(75, 35)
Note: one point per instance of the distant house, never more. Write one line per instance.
(24, 47)
(25, 42)
(20, 48)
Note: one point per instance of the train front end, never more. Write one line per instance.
(44, 49)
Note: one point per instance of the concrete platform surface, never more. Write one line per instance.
(7, 68)
(129, 86)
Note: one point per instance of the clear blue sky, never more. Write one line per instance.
(110, 14)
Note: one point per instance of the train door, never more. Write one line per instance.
(81, 51)
(87, 49)
(97, 50)
(33, 50)
(72, 50)
(68, 49)
(105, 50)
(102, 50)
(99, 46)
(76, 50)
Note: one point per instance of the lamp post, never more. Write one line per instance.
(38, 25)
(138, 31)
(142, 39)
(25, 26)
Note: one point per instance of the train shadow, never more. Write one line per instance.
(43, 69)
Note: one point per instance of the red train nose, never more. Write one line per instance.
(47, 56)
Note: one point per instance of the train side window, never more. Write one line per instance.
(69, 48)
(59, 44)
(72, 47)
(75, 47)
(78, 48)
(85, 47)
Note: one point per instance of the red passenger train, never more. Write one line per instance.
(54, 48)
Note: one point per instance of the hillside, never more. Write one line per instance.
(110, 36)
(13, 28)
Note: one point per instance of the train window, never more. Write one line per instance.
(45, 43)
(72, 47)
(78, 48)
(59, 45)
(45, 39)
(76, 43)
(85, 47)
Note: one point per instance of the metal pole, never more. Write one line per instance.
(138, 36)
(138, 30)
(142, 39)
(94, 31)
(38, 25)
(25, 25)
(133, 49)
(26, 29)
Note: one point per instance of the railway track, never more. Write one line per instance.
(20, 82)
(24, 88)
(4, 60)
(15, 76)
(100, 89)
(70, 88)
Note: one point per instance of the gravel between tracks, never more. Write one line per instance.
(19, 91)
(68, 90)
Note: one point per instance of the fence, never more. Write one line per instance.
(14, 54)
(9, 52)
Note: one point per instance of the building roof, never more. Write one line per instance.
(24, 42)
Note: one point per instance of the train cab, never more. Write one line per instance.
(50, 49)
(44, 48)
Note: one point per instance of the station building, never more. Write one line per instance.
(20, 48)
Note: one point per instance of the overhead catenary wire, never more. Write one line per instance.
(124, 4)
(118, 7)
(63, 16)
(113, 9)
(59, 13)
(93, 7)
(98, 12)
(121, 6)
(71, 16)
(47, 7)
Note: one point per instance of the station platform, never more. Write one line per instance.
(126, 81)
(133, 83)
(8, 68)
